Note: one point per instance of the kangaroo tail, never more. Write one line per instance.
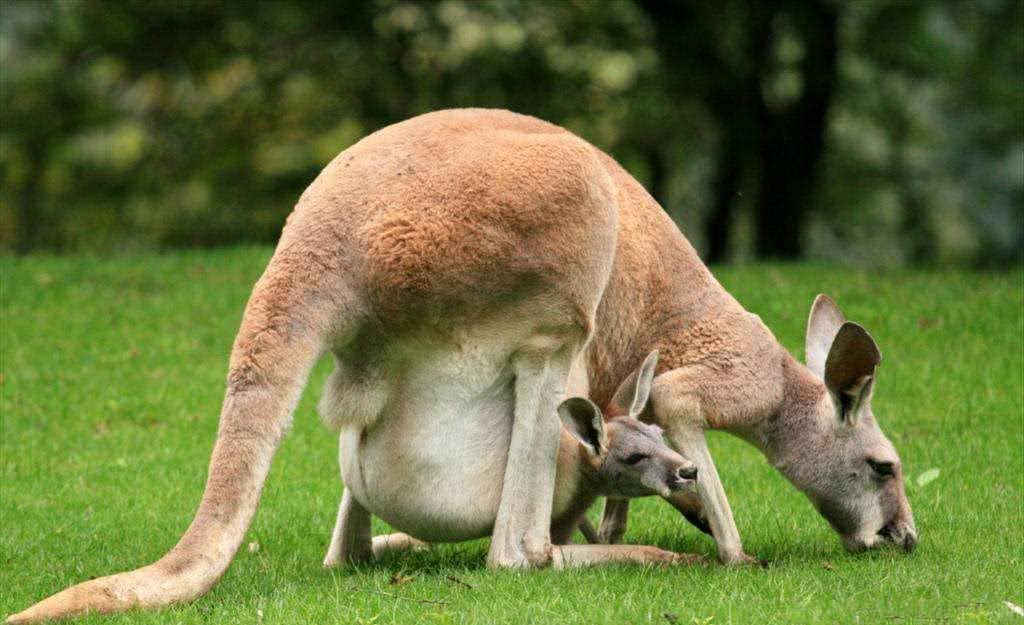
(282, 334)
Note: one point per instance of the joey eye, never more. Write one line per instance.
(635, 458)
(881, 467)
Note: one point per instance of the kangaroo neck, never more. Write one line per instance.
(658, 290)
(797, 428)
(661, 296)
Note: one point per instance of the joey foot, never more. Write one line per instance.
(745, 559)
(690, 559)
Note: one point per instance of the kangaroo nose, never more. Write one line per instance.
(687, 473)
(910, 541)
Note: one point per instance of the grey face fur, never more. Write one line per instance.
(842, 460)
(630, 458)
(640, 463)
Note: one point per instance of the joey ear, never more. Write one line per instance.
(850, 370)
(631, 396)
(822, 326)
(585, 422)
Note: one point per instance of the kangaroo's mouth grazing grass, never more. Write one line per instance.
(899, 535)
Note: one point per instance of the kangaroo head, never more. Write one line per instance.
(834, 450)
(627, 457)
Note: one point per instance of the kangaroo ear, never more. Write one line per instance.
(822, 327)
(631, 396)
(850, 370)
(585, 422)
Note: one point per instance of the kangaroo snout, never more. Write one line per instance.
(902, 535)
(910, 541)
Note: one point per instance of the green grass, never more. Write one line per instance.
(113, 372)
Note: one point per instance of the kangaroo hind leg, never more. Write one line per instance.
(350, 541)
(522, 529)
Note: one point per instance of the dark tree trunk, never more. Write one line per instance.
(718, 225)
(793, 138)
(736, 103)
(778, 150)
(687, 37)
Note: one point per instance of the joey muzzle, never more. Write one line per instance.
(684, 478)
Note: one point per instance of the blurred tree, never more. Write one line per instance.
(926, 152)
(174, 124)
(871, 132)
(767, 72)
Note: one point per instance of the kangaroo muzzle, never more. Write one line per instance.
(900, 534)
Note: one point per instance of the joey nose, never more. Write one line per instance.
(687, 473)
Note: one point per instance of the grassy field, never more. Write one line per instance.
(112, 377)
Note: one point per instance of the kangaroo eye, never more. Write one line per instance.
(881, 468)
(635, 458)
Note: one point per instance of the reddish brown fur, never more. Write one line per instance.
(441, 220)
(444, 213)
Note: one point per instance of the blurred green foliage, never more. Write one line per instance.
(137, 125)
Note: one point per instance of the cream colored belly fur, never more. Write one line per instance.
(424, 440)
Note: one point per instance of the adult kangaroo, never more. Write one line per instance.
(525, 261)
